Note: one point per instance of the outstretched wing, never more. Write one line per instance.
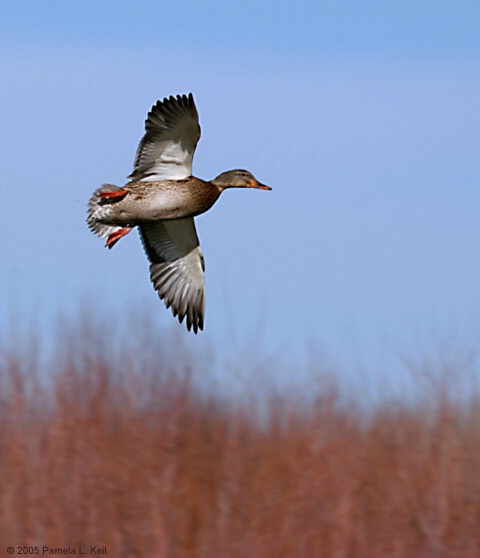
(177, 267)
(172, 133)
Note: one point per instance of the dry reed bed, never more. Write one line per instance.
(126, 453)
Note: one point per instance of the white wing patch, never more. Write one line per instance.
(167, 148)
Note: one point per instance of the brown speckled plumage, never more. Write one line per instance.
(163, 199)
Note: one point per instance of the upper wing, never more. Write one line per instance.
(177, 267)
(172, 133)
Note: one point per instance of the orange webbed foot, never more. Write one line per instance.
(113, 195)
(116, 236)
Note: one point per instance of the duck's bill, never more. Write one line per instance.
(259, 185)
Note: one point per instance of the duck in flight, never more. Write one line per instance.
(162, 199)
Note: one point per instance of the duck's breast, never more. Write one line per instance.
(173, 199)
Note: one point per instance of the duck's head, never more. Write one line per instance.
(238, 179)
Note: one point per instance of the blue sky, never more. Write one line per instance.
(363, 117)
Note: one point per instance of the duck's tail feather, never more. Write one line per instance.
(98, 209)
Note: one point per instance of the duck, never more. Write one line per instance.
(161, 200)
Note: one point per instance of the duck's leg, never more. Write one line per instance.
(114, 194)
(116, 236)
